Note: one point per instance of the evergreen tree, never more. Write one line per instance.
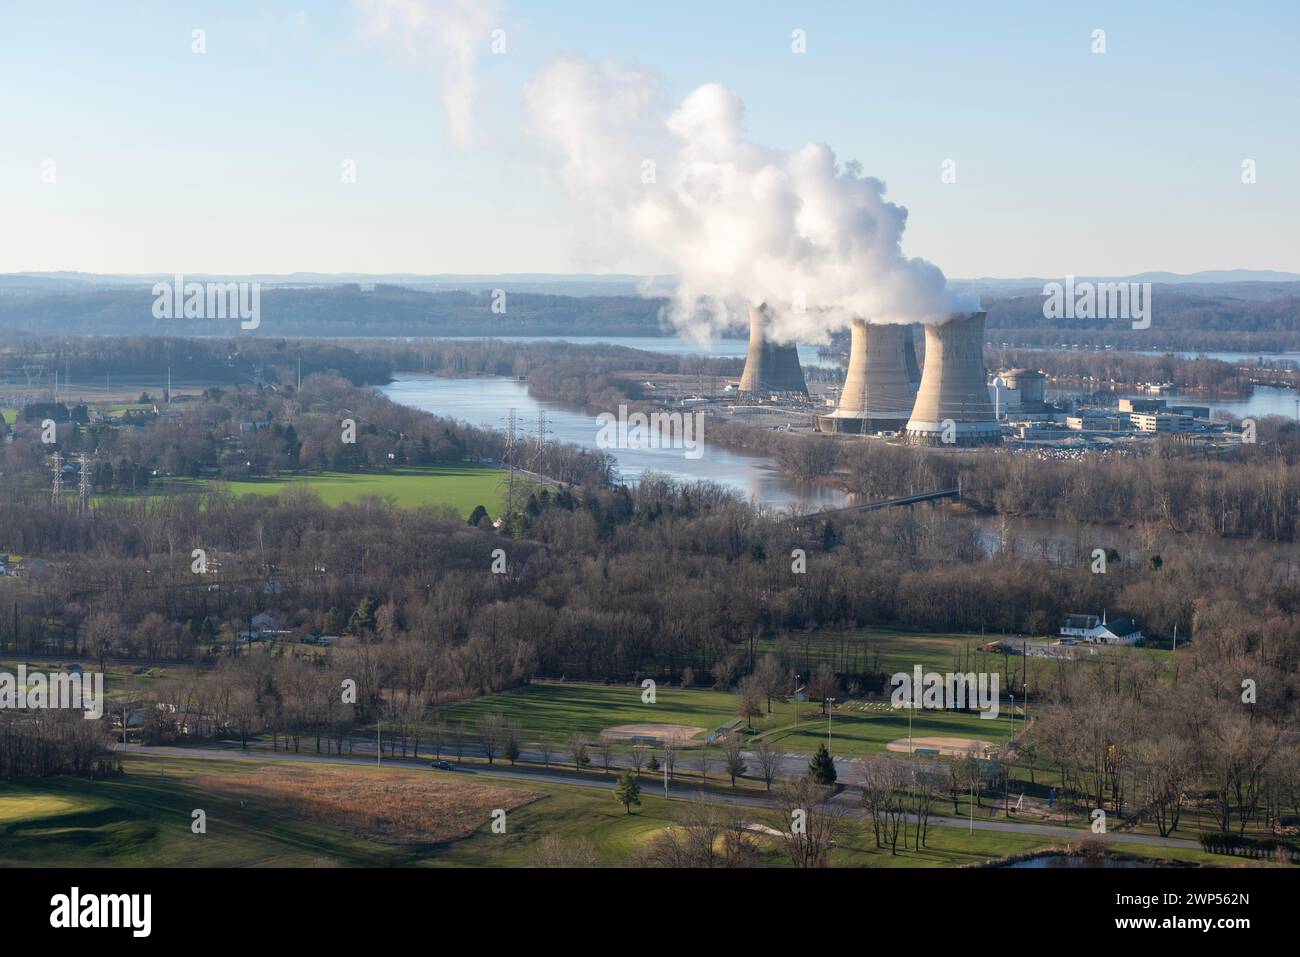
(628, 792)
(363, 619)
(821, 769)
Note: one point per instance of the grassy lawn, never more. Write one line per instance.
(143, 818)
(857, 733)
(890, 650)
(558, 710)
(460, 486)
(561, 709)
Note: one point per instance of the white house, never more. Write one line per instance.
(1121, 631)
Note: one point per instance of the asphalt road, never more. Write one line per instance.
(848, 798)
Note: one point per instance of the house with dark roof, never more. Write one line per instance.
(1120, 631)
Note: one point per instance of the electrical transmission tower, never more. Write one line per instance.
(57, 492)
(508, 459)
(539, 442)
(83, 486)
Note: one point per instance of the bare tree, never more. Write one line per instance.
(578, 751)
(811, 822)
(769, 758)
(605, 750)
(554, 851)
(734, 756)
(638, 754)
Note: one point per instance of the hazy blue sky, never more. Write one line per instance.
(1067, 161)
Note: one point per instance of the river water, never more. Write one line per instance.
(487, 401)
(665, 345)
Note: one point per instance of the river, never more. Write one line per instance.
(665, 345)
(487, 401)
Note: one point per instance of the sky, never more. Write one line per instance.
(122, 150)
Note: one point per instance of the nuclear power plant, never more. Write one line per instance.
(769, 366)
(952, 404)
(880, 387)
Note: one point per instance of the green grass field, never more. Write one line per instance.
(561, 709)
(461, 487)
(143, 818)
(558, 710)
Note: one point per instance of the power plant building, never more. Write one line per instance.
(880, 386)
(953, 405)
(769, 366)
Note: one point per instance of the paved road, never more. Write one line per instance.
(848, 798)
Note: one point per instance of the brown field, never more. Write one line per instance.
(951, 747)
(678, 733)
(393, 807)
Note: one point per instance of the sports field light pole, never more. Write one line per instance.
(910, 709)
(794, 699)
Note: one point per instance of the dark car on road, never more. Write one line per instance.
(443, 766)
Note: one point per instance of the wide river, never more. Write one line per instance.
(487, 402)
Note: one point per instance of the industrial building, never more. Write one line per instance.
(952, 404)
(770, 367)
(880, 386)
(1162, 422)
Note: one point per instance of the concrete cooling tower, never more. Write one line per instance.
(953, 405)
(880, 387)
(769, 367)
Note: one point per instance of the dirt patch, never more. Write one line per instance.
(390, 807)
(950, 747)
(677, 733)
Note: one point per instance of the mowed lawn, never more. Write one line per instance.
(559, 710)
(143, 819)
(854, 732)
(460, 486)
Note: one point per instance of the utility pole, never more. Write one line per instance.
(794, 700)
(830, 707)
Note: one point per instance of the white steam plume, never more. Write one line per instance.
(733, 222)
(452, 32)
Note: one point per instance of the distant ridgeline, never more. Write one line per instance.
(83, 361)
(337, 310)
(1187, 317)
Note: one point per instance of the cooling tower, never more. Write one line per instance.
(879, 390)
(769, 367)
(953, 405)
